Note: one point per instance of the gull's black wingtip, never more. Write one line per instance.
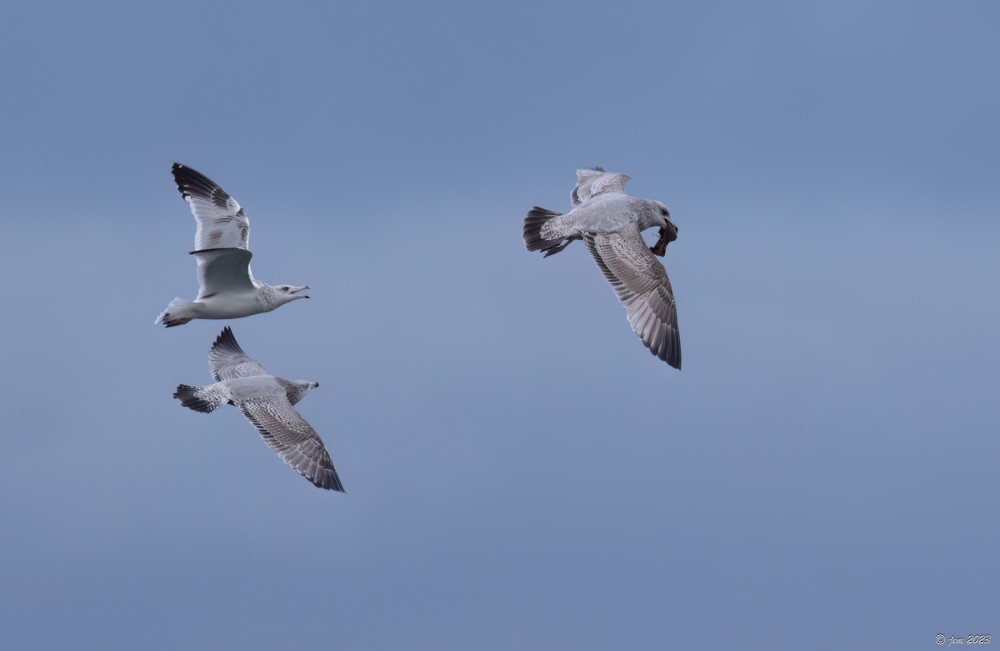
(227, 340)
(327, 480)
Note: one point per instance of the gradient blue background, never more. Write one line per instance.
(522, 473)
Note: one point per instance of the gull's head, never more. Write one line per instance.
(664, 215)
(304, 386)
(297, 390)
(288, 293)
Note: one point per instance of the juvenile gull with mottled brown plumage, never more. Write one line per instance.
(226, 286)
(266, 401)
(610, 223)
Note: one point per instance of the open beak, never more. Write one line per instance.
(296, 290)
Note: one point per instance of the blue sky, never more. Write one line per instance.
(521, 472)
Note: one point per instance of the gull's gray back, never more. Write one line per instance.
(606, 213)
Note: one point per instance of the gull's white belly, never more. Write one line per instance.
(230, 306)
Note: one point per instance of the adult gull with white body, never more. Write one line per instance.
(226, 286)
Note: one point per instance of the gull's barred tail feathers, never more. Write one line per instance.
(198, 399)
(542, 232)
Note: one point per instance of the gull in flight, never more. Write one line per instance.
(226, 286)
(610, 223)
(266, 401)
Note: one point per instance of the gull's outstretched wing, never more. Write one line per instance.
(228, 361)
(595, 181)
(295, 441)
(641, 283)
(221, 221)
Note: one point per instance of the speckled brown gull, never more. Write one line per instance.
(226, 286)
(610, 223)
(266, 401)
